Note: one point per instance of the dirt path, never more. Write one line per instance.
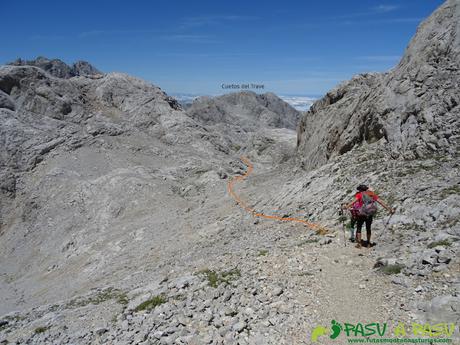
(316, 227)
(347, 289)
(330, 282)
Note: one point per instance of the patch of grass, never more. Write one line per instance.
(215, 278)
(450, 190)
(211, 276)
(228, 276)
(412, 170)
(122, 298)
(445, 243)
(39, 330)
(151, 303)
(413, 227)
(262, 252)
(392, 269)
(99, 298)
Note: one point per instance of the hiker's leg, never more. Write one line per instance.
(368, 230)
(359, 227)
(352, 228)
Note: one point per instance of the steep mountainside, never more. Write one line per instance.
(77, 146)
(413, 107)
(117, 226)
(89, 161)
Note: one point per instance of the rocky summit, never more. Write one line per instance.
(118, 224)
(58, 68)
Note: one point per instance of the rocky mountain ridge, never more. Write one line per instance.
(413, 107)
(58, 68)
(117, 227)
(247, 109)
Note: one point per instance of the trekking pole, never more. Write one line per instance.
(388, 221)
(342, 218)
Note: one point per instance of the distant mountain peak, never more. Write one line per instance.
(247, 108)
(59, 68)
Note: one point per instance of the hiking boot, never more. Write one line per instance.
(358, 240)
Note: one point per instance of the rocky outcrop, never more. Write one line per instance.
(413, 108)
(246, 109)
(41, 113)
(114, 205)
(38, 108)
(88, 157)
(58, 68)
(84, 68)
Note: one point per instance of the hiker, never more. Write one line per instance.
(362, 211)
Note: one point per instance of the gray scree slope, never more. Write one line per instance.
(111, 194)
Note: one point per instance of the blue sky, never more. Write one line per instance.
(292, 47)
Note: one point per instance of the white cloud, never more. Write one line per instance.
(386, 8)
(301, 103)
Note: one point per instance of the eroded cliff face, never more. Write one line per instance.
(413, 108)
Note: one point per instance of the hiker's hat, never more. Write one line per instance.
(362, 187)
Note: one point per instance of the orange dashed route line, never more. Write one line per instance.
(318, 228)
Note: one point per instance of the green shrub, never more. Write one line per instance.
(100, 297)
(39, 330)
(444, 243)
(450, 190)
(262, 252)
(392, 269)
(151, 303)
(214, 278)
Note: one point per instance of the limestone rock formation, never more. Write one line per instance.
(75, 143)
(58, 68)
(413, 107)
(116, 225)
(247, 109)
